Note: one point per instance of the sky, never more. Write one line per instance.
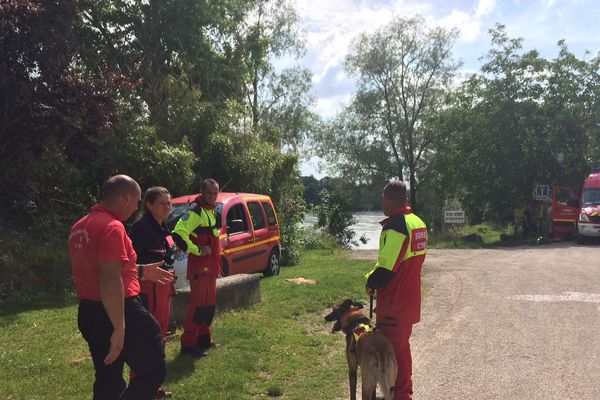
(331, 25)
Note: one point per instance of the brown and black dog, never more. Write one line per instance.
(367, 347)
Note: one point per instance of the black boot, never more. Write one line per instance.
(204, 342)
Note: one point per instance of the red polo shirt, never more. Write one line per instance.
(98, 238)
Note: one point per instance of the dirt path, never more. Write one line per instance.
(518, 323)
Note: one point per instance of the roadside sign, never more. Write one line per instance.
(542, 192)
(454, 217)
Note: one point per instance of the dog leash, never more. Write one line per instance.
(371, 306)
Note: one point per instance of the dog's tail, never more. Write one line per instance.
(387, 391)
(387, 372)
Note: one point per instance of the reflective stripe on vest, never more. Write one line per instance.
(207, 226)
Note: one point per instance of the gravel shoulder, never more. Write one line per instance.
(521, 323)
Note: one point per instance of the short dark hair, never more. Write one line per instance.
(396, 191)
(152, 194)
(118, 185)
(206, 182)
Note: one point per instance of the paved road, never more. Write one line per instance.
(518, 323)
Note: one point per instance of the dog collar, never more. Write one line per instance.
(360, 331)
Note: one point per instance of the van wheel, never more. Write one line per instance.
(224, 267)
(272, 264)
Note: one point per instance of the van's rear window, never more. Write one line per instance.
(270, 213)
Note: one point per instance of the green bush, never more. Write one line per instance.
(335, 217)
(315, 239)
(291, 245)
(31, 269)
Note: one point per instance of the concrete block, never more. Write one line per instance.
(233, 292)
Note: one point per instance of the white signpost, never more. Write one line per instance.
(454, 217)
(542, 192)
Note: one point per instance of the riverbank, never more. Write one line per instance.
(366, 226)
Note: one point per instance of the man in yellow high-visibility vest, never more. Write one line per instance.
(397, 279)
(197, 234)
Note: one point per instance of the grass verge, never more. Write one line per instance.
(280, 348)
(491, 236)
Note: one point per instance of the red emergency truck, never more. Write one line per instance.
(588, 220)
(562, 215)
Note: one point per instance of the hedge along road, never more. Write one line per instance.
(515, 323)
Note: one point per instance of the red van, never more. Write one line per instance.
(588, 222)
(248, 230)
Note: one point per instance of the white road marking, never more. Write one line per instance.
(579, 297)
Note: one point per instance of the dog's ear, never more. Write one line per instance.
(336, 327)
(357, 305)
(345, 306)
(331, 316)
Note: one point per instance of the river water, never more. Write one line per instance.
(367, 225)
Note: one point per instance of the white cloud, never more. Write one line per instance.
(485, 7)
(470, 24)
(328, 107)
(469, 27)
(332, 25)
(548, 3)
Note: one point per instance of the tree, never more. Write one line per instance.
(272, 33)
(571, 103)
(522, 121)
(404, 70)
(182, 56)
(335, 218)
(277, 101)
(50, 110)
(312, 190)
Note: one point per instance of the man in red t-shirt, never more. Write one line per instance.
(111, 318)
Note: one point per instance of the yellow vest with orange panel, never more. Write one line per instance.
(198, 227)
(397, 274)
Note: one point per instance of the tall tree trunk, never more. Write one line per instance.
(156, 96)
(413, 189)
(255, 116)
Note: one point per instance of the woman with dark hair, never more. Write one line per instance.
(149, 238)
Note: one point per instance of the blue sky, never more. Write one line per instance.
(330, 27)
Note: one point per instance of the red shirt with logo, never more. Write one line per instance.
(99, 238)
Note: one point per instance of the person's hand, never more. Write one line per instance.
(205, 250)
(154, 273)
(370, 292)
(116, 345)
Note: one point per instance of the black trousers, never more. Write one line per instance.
(143, 351)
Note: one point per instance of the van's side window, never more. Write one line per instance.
(218, 213)
(270, 213)
(236, 213)
(258, 219)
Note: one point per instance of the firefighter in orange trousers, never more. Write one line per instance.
(197, 234)
(396, 278)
